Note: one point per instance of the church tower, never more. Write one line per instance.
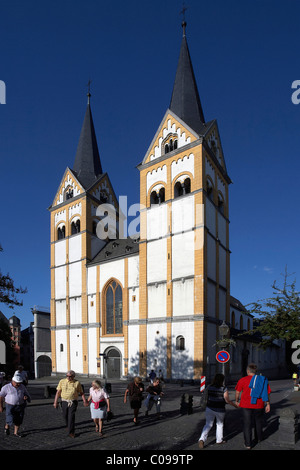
(184, 269)
(74, 242)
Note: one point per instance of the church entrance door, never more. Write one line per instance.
(113, 364)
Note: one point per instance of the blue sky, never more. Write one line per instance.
(245, 56)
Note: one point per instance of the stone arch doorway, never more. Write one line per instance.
(113, 363)
(43, 366)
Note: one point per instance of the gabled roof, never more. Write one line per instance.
(185, 100)
(87, 165)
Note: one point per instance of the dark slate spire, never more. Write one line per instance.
(185, 101)
(87, 165)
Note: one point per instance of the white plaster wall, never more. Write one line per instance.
(75, 311)
(75, 281)
(157, 347)
(157, 221)
(157, 299)
(60, 252)
(92, 308)
(133, 305)
(210, 217)
(60, 282)
(61, 356)
(211, 257)
(183, 361)
(133, 349)
(113, 269)
(183, 297)
(76, 350)
(211, 299)
(183, 257)
(211, 337)
(222, 266)
(182, 165)
(160, 174)
(75, 248)
(183, 214)
(92, 280)
(222, 229)
(222, 305)
(157, 260)
(133, 271)
(60, 312)
(92, 351)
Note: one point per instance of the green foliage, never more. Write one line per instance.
(8, 291)
(279, 315)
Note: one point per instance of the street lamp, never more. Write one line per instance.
(223, 331)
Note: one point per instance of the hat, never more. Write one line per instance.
(17, 378)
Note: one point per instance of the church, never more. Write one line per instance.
(125, 303)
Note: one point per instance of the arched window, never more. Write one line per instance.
(182, 187)
(113, 309)
(75, 227)
(157, 198)
(180, 343)
(170, 144)
(61, 232)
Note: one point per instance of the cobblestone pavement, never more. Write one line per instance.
(177, 433)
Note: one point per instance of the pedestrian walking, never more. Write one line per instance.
(68, 390)
(20, 371)
(253, 396)
(135, 393)
(152, 376)
(154, 397)
(217, 397)
(16, 396)
(99, 405)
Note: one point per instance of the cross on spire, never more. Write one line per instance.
(184, 8)
(89, 90)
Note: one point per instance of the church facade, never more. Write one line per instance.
(122, 305)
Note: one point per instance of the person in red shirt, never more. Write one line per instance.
(251, 410)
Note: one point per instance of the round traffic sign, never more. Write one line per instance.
(222, 356)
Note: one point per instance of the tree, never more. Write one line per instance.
(279, 314)
(8, 290)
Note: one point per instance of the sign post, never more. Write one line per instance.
(223, 357)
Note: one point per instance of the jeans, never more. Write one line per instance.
(251, 415)
(210, 418)
(150, 400)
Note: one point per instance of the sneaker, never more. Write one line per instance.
(201, 444)
(6, 431)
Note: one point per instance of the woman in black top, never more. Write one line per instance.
(217, 397)
(135, 392)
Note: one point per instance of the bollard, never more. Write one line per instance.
(288, 426)
(186, 404)
(108, 388)
(47, 392)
